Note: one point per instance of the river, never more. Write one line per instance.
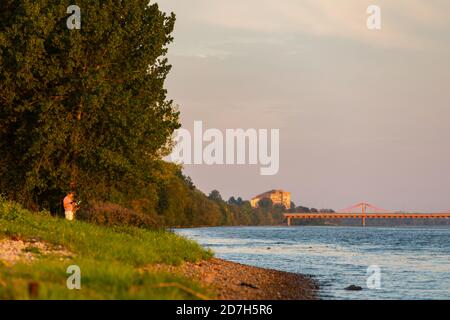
(413, 262)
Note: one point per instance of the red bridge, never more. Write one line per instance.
(361, 211)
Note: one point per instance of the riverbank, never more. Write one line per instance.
(235, 281)
(224, 280)
(36, 250)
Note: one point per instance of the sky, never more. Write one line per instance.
(364, 115)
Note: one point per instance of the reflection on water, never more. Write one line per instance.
(414, 262)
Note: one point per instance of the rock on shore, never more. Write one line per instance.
(16, 250)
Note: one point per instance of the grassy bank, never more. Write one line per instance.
(111, 260)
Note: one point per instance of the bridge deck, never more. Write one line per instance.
(367, 215)
(364, 216)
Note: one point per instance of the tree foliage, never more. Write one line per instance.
(83, 108)
(87, 110)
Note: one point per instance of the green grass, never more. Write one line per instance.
(110, 260)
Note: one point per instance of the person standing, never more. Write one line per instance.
(70, 206)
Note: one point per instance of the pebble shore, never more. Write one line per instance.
(235, 281)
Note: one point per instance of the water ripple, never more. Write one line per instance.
(414, 262)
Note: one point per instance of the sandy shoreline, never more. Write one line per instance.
(235, 281)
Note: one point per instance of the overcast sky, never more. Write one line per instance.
(363, 115)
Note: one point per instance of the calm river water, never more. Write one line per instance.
(414, 263)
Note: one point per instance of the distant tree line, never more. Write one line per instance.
(180, 203)
(301, 209)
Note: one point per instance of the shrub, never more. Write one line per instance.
(110, 214)
(10, 211)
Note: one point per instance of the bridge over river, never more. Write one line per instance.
(364, 211)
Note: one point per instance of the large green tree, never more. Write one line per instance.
(87, 108)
